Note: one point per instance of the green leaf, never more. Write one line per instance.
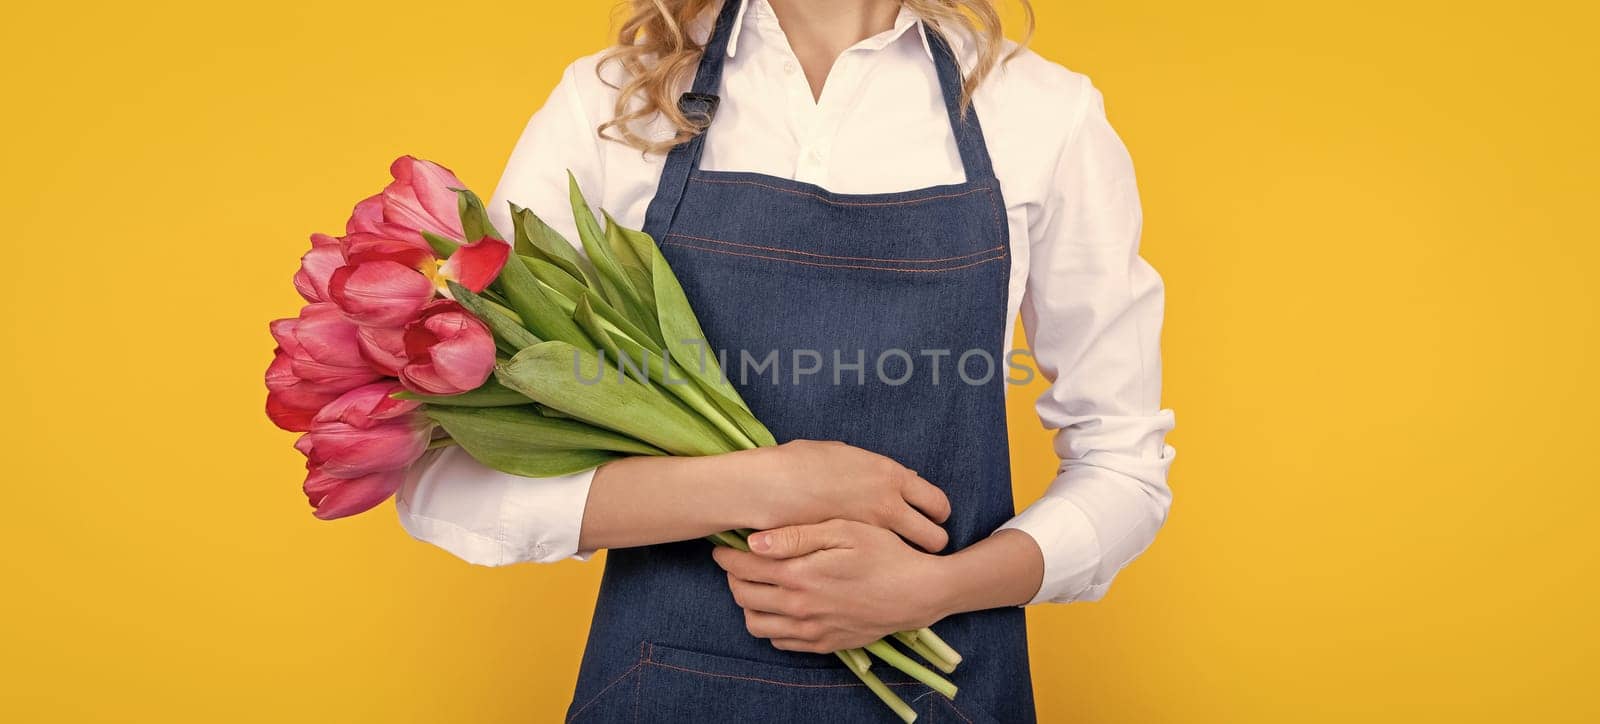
(441, 246)
(633, 250)
(651, 366)
(615, 285)
(648, 336)
(534, 238)
(540, 313)
(554, 277)
(491, 394)
(474, 218)
(507, 331)
(554, 374)
(631, 357)
(520, 441)
(525, 426)
(686, 342)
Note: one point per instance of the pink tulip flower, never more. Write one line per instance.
(318, 358)
(365, 431)
(448, 351)
(382, 283)
(333, 497)
(317, 266)
(322, 348)
(385, 282)
(419, 199)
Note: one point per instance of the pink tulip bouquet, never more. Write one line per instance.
(424, 327)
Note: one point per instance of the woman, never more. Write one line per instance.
(846, 182)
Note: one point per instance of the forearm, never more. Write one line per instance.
(648, 500)
(1004, 569)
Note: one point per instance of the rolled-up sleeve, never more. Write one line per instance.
(490, 518)
(477, 513)
(1092, 313)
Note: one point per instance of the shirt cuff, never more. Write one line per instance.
(1070, 546)
(490, 518)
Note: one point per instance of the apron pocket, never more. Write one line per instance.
(677, 685)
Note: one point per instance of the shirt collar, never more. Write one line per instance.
(902, 22)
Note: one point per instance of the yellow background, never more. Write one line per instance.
(1375, 219)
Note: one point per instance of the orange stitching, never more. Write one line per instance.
(956, 709)
(781, 260)
(832, 256)
(997, 209)
(766, 681)
(824, 199)
(645, 650)
(603, 691)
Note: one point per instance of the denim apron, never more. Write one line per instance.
(882, 309)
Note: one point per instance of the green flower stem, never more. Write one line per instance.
(890, 656)
(857, 659)
(729, 539)
(909, 640)
(894, 702)
(938, 646)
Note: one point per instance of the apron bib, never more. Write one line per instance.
(864, 318)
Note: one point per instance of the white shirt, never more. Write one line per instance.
(1090, 306)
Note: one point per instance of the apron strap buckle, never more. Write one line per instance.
(699, 108)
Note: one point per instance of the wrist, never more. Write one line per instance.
(938, 589)
(743, 491)
(1004, 569)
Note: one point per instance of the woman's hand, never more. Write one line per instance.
(833, 585)
(808, 481)
(656, 499)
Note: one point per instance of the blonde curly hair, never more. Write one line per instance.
(657, 56)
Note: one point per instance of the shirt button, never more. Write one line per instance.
(815, 155)
(789, 67)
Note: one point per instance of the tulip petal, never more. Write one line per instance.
(427, 187)
(362, 247)
(464, 361)
(341, 497)
(384, 348)
(367, 216)
(292, 403)
(476, 265)
(316, 267)
(380, 293)
(326, 336)
(368, 406)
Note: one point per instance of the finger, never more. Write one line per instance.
(747, 566)
(924, 533)
(802, 645)
(773, 626)
(763, 597)
(798, 540)
(926, 497)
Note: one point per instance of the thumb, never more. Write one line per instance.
(798, 540)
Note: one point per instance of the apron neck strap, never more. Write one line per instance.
(700, 105)
(968, 132)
